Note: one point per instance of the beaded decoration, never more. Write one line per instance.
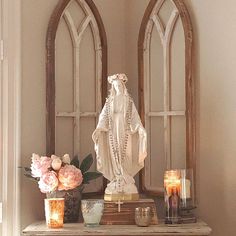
(119, 158)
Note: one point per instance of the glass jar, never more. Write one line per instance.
(172, 184)
(92, 210)
(143, 216)
(179, 196)
(187, 196)
(187, 189)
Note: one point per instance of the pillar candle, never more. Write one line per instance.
(185, 192)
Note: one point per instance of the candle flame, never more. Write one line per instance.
(55, 216)
(172, 182)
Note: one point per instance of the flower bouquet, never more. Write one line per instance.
(61, 177)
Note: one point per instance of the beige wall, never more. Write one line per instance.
(35, 17)
(215, 51)
(215, 34)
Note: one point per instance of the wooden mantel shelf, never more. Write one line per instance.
(75, 229)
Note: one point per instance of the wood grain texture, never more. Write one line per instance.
(143, 46)
(111, 216)
(75, 229)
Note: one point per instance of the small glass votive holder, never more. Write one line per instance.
(143, 216)
(92, 210)
(54, 212)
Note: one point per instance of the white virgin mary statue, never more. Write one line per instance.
(120, 142)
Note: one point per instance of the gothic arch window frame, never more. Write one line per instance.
(143, 41)
(57, 14)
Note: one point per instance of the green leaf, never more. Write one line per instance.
(28, 175)
(86, 163)
(27, 169)
(24, 168)
(88, 176)
(31, 177)
(75, 161)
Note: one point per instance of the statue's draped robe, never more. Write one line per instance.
(120, 126)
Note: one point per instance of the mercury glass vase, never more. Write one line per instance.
(72, 203)
(143, 216)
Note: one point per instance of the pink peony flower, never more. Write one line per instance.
(70, 177)
(48, 182)
(39, 165)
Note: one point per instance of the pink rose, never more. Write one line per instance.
(70, 177)
(40, 165)
(48, 182)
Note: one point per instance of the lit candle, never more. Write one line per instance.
(172, 196)
(55, 216)
(172, 181)
(54, 212)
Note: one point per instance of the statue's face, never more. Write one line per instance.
(118, 85)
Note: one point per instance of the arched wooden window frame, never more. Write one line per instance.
(50, 66)
(144, 33)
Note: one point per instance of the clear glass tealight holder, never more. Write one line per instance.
(92, 211)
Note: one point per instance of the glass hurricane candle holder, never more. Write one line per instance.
(172, 184)
(92, 211)
(187, 188)
(54, 212)
(187, 196)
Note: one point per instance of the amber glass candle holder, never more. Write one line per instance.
(172, 185)
(54, 212)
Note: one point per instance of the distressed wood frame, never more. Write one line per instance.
(50, 66)
(189, 83)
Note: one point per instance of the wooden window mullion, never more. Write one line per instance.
(76, 102)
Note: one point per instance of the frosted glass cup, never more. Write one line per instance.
(92, 210)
